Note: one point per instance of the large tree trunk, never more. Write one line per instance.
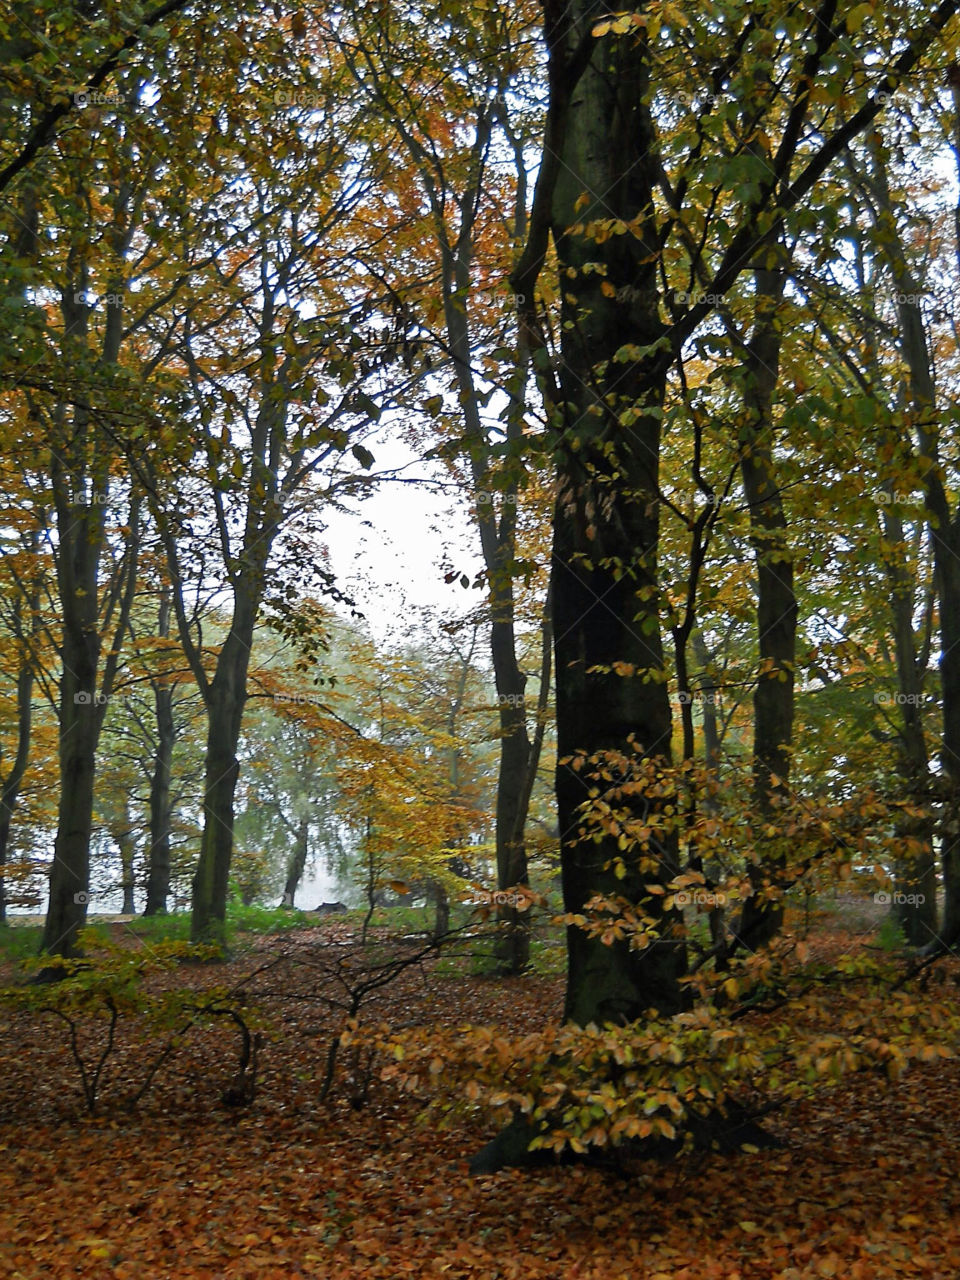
(610, 690)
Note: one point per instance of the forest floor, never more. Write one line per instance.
(864, 1187)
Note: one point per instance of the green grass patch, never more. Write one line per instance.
(890, 935)
(19, 942)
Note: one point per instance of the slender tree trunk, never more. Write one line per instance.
(513, 948)
(711, 753)
(225, 702)
(915, 906)
(773, 700)
(10, 789)
(297, 863)
(158, 873)
(6, 815)
(517, 947)
(944, 527)
(498, 545)
(710, 694)
(158, 857)
(127, 847)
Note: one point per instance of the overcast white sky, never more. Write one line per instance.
(390, 556)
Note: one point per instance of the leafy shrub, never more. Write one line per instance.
(99, 997)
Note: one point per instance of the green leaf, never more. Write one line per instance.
(363, 404)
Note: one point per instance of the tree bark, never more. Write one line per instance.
(125, 844)
(81, 478)
(609, 670)
(773, 701)
(915, 907)
(10, 788)
(80, 720)
(297, 863)
(158, 856)
(226, 697)
(944, 528)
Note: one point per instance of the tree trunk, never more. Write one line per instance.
(10, 789)
(773, 699)
(80, 719)
(80, 474)
(944, 528)
(610, 689)
(225, 702)
(513, 945)
(158, 873)
(297, 863)
(915, 905)
(710, 693)
(127, 847)
(498, 545)
(947, 553)
(441, 909)
(158, 856)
